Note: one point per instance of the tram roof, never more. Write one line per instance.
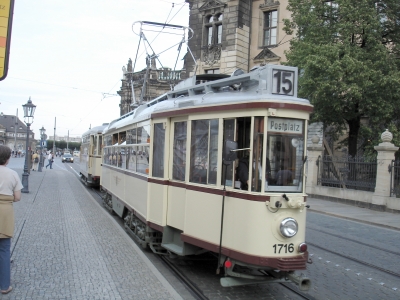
(254, 86)
(96, 129)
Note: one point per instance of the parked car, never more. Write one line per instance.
(67, 158)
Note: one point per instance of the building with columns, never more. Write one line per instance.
(228, 35)
(135, 90)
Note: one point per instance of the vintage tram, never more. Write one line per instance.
(90, 156)
(171, 170)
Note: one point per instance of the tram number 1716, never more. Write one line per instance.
(283, 248)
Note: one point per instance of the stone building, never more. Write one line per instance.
(228, 34)
(232, 34)
(13, 133)
(159, 81)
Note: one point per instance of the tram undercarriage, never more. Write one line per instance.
(90, 181)
(237, 274)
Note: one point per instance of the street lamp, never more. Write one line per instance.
(42, 132)
(29, 110)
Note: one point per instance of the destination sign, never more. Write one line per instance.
(285, 125)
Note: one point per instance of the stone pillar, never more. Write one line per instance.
(313, 152)
(386, 151)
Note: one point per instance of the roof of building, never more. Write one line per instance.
(10, 121)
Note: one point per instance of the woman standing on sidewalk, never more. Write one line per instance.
(10, 191)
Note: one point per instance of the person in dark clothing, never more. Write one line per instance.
(243, 172)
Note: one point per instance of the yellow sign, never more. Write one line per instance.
(6, 14)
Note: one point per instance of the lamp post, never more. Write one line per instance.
(42, 132)
(29, 110)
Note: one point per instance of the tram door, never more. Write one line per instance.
(238, 130)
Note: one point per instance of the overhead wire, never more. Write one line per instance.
(167, 22)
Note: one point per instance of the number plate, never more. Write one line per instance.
(283, 248)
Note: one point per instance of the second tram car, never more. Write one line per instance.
(219, 167)
(90, 155)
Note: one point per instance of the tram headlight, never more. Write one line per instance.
(289, 227)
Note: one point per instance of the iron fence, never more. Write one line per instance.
(394, 170)
(357, 173)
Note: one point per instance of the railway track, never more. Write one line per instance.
(396, 274)
(194, 289)
(295, 290)
(354, 241)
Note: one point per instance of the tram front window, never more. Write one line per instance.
(275, 161)
(285, 152)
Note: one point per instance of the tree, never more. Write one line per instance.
(347, 52)
(63, 145)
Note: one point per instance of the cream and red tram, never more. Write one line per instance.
(90, 158)
(170, 170)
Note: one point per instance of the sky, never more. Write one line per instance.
(67, 56)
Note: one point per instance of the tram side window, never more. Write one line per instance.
(131, 164)
(203, 160)
(100, 144)
(158, 150)
(131, 136)
(122, 157)
(143, 134)
(105, 156)
(179, 151)
(108, 140)
(113, 156)
(258, 169)
(122, 138)
(95, 145)
(142, 160)
(229, 134)
(115, 139)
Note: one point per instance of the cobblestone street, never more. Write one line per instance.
(67, 247)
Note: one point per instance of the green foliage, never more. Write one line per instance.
(348, 56)
(63, 145)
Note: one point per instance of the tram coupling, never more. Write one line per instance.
(304, 283)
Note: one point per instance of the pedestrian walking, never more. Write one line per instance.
(35, 161)
(50, 159)
(10, 191)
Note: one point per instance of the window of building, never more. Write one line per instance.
(213, 29)
(212, 71)
(270, 27)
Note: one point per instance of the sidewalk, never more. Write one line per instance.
(364, 215)
(66, 246)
